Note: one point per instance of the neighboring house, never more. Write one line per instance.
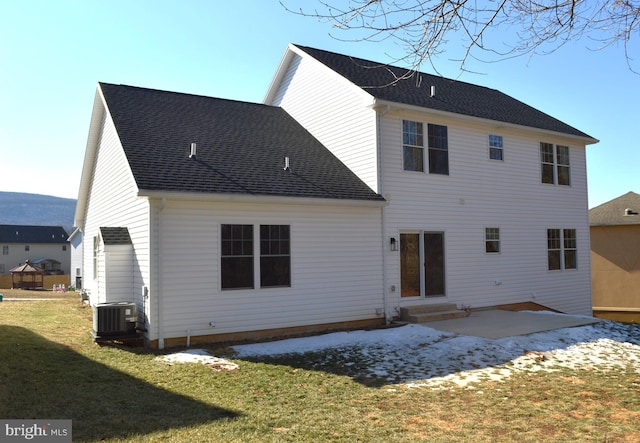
(345, 197)
(615, 258)
(75, 241)
(44, 246)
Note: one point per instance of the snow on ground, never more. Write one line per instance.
(417, 355)
(199, 356)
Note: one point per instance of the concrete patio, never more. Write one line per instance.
(495, 323)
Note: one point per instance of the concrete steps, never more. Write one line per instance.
(427, 313)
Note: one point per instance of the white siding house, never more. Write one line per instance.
(345, 197)
(498, 192)
(222, 240)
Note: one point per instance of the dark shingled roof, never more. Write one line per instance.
(115, 236)
(240, 147)
(624, 210)
(453, 96)
(32, 234)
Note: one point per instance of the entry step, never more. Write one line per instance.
(427, 313)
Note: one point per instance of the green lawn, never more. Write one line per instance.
(51, 369)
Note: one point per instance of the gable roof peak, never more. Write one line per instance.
(422, 90)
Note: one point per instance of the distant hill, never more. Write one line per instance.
(17, 208)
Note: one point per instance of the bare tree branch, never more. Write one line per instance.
(426, 28)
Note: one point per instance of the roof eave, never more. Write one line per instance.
(261, 199)
(378, 103)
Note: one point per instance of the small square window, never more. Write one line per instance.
(26, 247)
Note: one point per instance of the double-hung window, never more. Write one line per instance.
(438, 149)
(240, 253)
(555, 164)
(412, 146)
(492, 240)
(5, 249)
(413, 154)
(495, 147)
(561, 249)
(275, 256)
(237, 257)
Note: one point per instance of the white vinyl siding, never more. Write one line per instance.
(113, 202)
(335, 268)
(334, 112)
(471, 198)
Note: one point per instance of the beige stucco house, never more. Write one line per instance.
(615, 258)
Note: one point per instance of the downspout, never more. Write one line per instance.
(159, 293)
(383, 223)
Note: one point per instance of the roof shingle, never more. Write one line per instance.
(624, 210)
(240, 147)
(414, 88)
(32, 234)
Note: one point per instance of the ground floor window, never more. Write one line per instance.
(275, 256)
(239, 252)
(237, 257)
(561, 249)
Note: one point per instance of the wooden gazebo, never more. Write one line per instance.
(27, 277)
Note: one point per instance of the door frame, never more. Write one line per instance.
(422, 264)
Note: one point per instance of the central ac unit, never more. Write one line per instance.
(114, 319)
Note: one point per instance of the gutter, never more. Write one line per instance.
(376, 103)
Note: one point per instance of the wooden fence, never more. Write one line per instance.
(49, 281)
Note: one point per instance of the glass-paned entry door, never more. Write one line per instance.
(422, 271)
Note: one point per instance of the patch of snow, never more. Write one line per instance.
(420, 356)
(199, 356)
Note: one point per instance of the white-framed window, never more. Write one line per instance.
(413, 152)
(96, 246)
(496, 147)
(562, 249)
(237, 257)
(239, 253)
(275, 256)
(492, 240)
(412, 146)
(554, 161)
(438, 149)
(5, 249)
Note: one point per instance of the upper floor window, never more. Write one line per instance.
(492, 240)
(26, 247)
(561, 249)
(237, 257)
(64, 247)
(412, 146)
(495, 147)
(555, 164)
(5, 250)
(438, 149)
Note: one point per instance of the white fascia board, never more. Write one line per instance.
(378, 104)
(259, 199)
(95, 126)
(277, 78)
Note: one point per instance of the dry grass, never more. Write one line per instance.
(52, 369)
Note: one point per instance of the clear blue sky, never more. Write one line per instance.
(53, 53)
